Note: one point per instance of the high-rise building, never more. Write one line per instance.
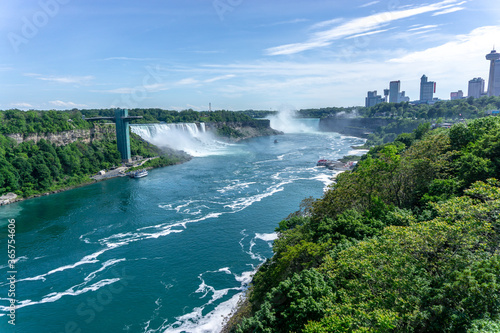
(494, 79)
(457, 95)
(373, 99)
(394, 88)
(402, 97)
(476, 88)
(427, 89)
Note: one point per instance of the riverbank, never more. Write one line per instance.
(121, 171)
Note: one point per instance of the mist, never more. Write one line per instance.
(286, 121)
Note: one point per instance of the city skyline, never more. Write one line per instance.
(63, 54)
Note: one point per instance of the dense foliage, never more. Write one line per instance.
(30, 168)
(407, 242)
(167, 116)
(16, 121)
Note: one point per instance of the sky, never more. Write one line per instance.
(236, 54)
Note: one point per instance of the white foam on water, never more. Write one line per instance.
(90, 259)
(214, 321)
(358, 152)
(267, 237)
(55, 296)
(235, 186)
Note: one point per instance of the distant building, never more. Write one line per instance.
(402, 97)
(373, 99)
(395, 95)
(494, 79)
(427, 89)
(394, 88)
(476, 88)
(386, 95)
(457, 95)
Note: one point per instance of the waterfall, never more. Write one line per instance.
(193, 138)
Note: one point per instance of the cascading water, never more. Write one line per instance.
(191, 138)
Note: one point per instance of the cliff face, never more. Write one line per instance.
(360, 127)
(98, 132)
(244, 130)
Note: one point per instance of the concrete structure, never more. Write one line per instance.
(457, 95)
(373, 99)
(121, 120)
(494, 79)
(427, 89)
(394, 88)
(476, 88)
(386, 94)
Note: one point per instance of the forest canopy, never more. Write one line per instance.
(406, 242)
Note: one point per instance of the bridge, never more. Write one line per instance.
(122, 120)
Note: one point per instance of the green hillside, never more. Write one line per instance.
(407, 242)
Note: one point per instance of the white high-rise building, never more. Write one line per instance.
(476, 88)
(494, 79)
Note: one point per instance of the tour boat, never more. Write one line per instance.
(139, 173)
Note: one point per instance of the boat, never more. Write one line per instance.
(323, 162)
(139, 173)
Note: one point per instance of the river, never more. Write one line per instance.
(171, 252)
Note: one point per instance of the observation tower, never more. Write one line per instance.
(494, 79)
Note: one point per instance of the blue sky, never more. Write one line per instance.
(236, 54)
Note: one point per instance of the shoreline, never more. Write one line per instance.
(6, 201)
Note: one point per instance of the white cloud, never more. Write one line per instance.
(324, 24)
(62, 79)
(357, 26)
(369, 4)
(424, 27)
(156, 87)
(187, 81)
(22, 105)
(369, 33)
(129, 59)
(346, 81)
(67, 104)
(448, 11)
(218, 78)
(284, 22)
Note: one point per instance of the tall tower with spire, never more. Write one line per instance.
(494, 79)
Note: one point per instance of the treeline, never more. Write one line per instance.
(468, 108)
(32, 168)
(409, 241)
(389, 133)
(168, 116)
(16, 121)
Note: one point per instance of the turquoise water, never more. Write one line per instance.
(171, 252)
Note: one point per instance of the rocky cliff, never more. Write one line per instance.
(237, 131)
(98, 132)
(360, 127)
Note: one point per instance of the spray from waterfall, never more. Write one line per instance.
(191, 138)
(286, 121)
